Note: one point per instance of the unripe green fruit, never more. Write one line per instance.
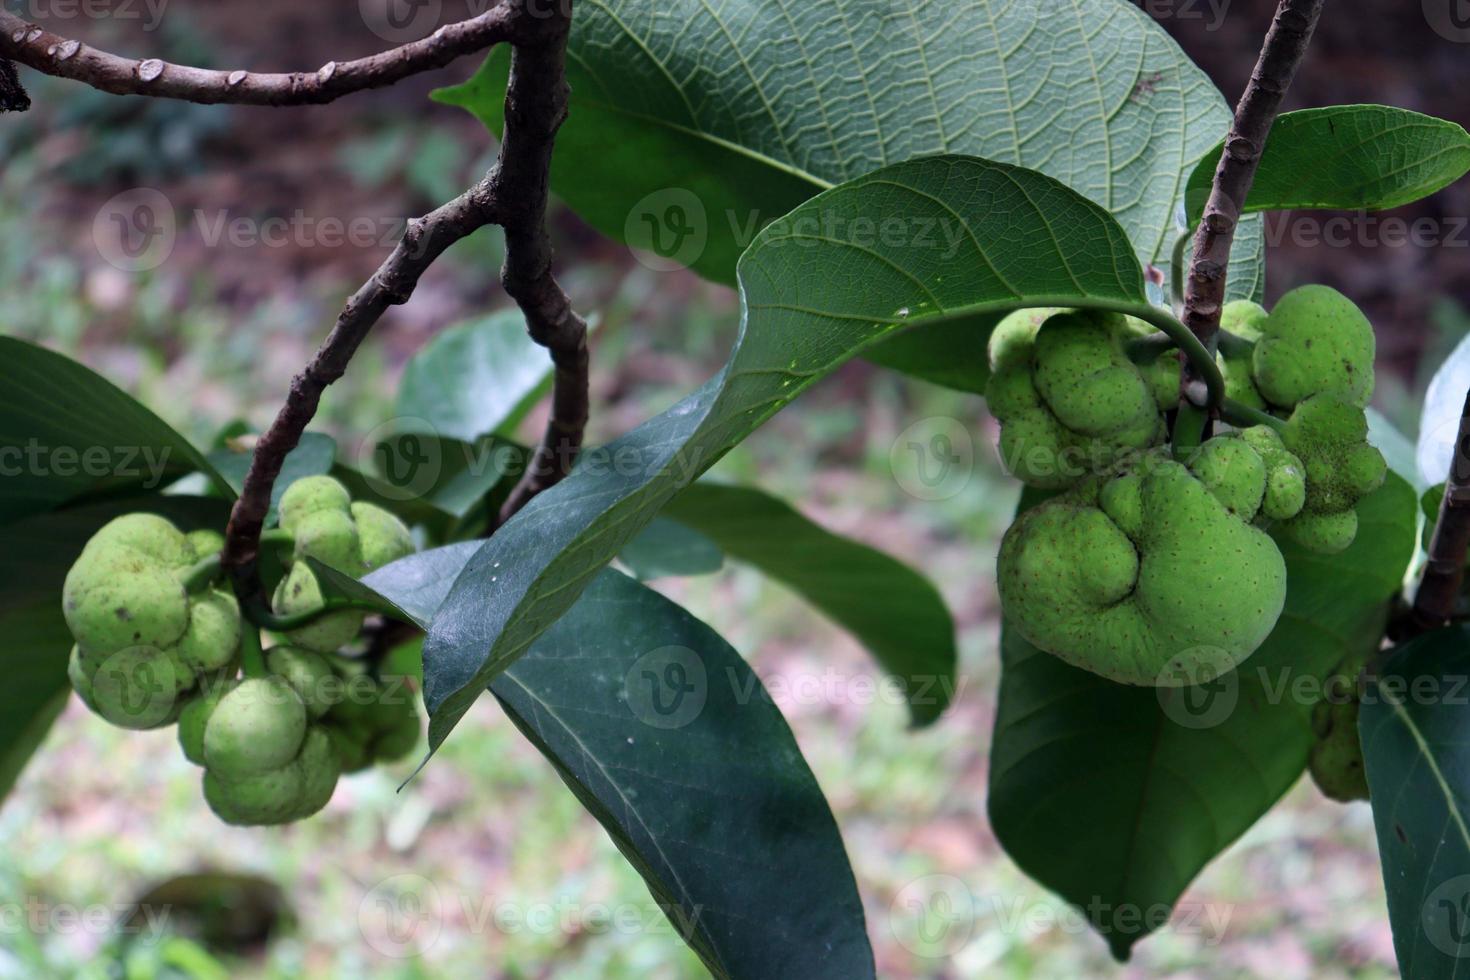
(308, 673)
(205, 543)
(299, 592)
(125, 592)
(1315, 342)
(351, 747)
(265, 799)
(319, 769)
(1286, 478)
(195, 717)
(1243, 318)
(1069, 401)
(352, 538)
(397, 742)
(1336, 759)
(212, 639)
(1234, 472)
(257, 727)
(1083, 375)
(137, 688)
(385, 538)
(115, 598)
(330, 537)
(1331, 439)
(1189, 594)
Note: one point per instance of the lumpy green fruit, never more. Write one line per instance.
(126, 606)
(308, 673)
(1336, 759)
(255, 728)
(354, 538)
(1330, 437)
(1069, 401)
(1148, 581)
(1314, 342)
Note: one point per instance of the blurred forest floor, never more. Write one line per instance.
(214, 334)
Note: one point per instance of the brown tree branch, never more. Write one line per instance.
(63, 57)
(535, 106)
(1444, 573)
(514, 195)
(1204, 285)
(392, 285)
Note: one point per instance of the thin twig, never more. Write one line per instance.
(513, 194)
(1434, 601)
(535, 106)
(1204, 286)
(52, 54)
(394, 282)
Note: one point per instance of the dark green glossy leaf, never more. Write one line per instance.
(474, 379)
(1115, 797)
(67, 433)
(1415, 728)
(668, 548)
(1346, 157)
(670, 741)
(817, 290)
(693, 125)
(892, 609)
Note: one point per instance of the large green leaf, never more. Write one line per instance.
(670, 741)
(693, 124)
(1415, 728)
(473, 379)
(34, 640)
(816, 291)
(892, 609)
(1347, 157)
(666, 548)
(1115, 797)
(67, 433)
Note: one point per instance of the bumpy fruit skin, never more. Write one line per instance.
(1330, 437)
(257, 727)
(352, 537)
(1314, 342)
(1145, 579)
(1068, 399)
(195, 717)
(373, 722)
(309, 674)
(126, 606)
(1286, 477)
(1336, 759)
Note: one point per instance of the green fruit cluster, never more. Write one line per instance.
(355, 538)
(1069, 400)
(1154, 576)
(274, 747)
(1153, 565)
(1336, 759)
(158, 642)
(144, 643)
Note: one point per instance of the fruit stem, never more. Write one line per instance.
(1200, 359)
(202, 574)
(1189, 430)
(1245, 417)
(252, 661)
(265, 618)
(1146, 350)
